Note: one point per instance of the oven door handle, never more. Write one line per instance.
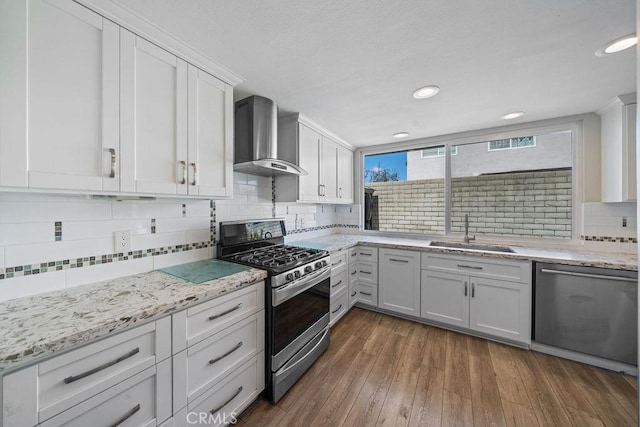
(286, 368)
(283, 293)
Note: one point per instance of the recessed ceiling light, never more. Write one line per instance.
(401, 135)
(426, 92)
(618, 45)
(513, 115)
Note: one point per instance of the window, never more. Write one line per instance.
(507, 144)
(437, 151)
(504, 191)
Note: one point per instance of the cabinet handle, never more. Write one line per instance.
(398, 260)
(114, 162)
(219, 358)
(465, 289)
(340, 192)
(126, 416)
(365, 293)
(365, 272)
(337, 309)
(72, 378)
(473, 290)
(319, 189)
(184, 171)
(365, 254)
(324, 190)
(474, 267)
(353, 294)
(354, 253)
(213, 411)
(224, 313)
(195, 174)
(337, 284)
(354, 272)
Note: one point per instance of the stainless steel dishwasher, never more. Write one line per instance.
(588, 310)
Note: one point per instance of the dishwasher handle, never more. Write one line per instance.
(593, 276)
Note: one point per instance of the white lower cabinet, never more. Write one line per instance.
(131, 378)
(481, 301)
(399, 281)
(339, 286)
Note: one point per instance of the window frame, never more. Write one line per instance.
(438, 155)
(511, 147)
(581, 128)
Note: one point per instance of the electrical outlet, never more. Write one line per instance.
(122, 241)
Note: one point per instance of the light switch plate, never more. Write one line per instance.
(122, 240)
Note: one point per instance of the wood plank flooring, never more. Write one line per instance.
(381, 370)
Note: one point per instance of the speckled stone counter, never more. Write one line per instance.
(35, 327)
(338, 242)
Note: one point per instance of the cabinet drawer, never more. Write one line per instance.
(339, 306)
(368, 272)
(221, 404)
(338, 260)
(142, 400)
(353, 253)
(368, 294)
(199, 367)
(67, 380)
(353, 293)
(200, 322)
(517, 271)
(352, 272)
(339, 282)
(367, 254)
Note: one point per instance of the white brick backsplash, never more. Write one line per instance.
(2, 265)
(112, 270)
(43, 252)
(78, 230)
(167, 225)
(25, 233)
(25, 286)
(147, 210)
(160, 240)
(169, 260)
(21, 212)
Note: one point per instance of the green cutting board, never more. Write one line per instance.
(205, 270)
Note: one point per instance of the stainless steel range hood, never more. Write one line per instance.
(256, 139)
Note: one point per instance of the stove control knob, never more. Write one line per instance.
(324, 263)
(318, 264)
(296, 274)
(289, 277)
(308, 269)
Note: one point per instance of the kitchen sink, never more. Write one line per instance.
(473, 246)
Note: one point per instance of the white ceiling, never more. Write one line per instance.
(352, 65)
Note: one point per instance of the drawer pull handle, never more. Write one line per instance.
(365, 254)
(354, 272)
(337, 284)
(474, 267)
(473, 290)
(398, 260)
(183, 164)
(114, 162)
(72, 378)
(365, 272)
(213, 411)
(219, 358)
(224, 313)
(354, 294)
(336, 263)
(337, 309)
(126, 416)
(354, 253)
(365, 293)
(465, 289)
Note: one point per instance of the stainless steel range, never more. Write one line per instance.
(297, 297)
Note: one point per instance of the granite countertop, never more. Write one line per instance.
(338, 242)
(35, 327)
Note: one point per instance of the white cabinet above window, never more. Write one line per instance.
(618, 149)
(327, 160)
(89, 106)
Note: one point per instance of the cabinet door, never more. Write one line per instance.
(309, 146)
(329, 170)
(444, 297)
(59, 100)
(345, 175)
(500, 308)
(153, 109)
(629, 156)
(399, 281)
(210, 135)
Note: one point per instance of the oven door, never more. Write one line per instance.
(300, 310)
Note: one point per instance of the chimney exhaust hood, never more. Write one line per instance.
(256, 139)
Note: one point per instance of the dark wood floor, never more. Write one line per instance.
(380, 370)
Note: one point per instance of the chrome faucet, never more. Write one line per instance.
(466, 238)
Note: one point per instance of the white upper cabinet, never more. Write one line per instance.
(329, 164)
(153, 108)
(345, 175)
(618, 145)
(210, 135)
(89, 106)
(59, 99)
